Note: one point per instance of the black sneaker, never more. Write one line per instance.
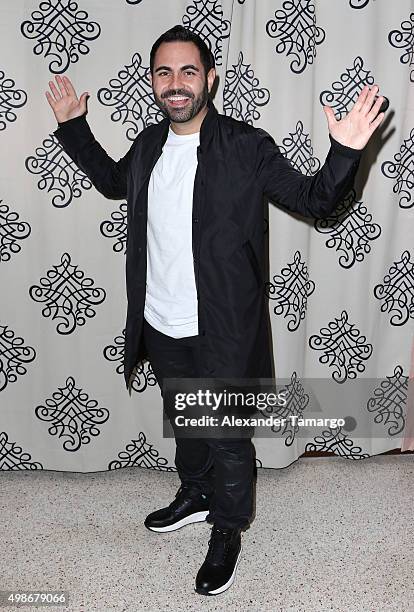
(189, 506)
(219, 568)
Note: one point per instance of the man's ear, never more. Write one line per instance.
(211, 77)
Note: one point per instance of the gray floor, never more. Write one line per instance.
(329, 534)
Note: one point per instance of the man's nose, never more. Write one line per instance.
(176, 81)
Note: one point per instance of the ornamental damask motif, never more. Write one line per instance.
(396, 292)
(334, 441)
(402, 170)
(389, 402)
(72, 415)
(344, 92)
(61, 31)
(143, 375)
(58, 173)
(140, 453)
(12, 456)
(298, 149)
(10, 99)
(404, 39)
(298, 400)
(343, 347)
(242, 94)
(68, 295)
(295, 27)
(131, 95)
(350, 230)
(13, 355)
(11, 232)
(116, 228)
(291, 289)
(358, 4)
(206, 18)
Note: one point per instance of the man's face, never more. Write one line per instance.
(179, 83)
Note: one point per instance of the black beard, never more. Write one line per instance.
(181, 115)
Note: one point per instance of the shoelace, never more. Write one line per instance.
(218, 546)
(180, 496)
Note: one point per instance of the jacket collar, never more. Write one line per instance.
(208, 125)
(206, 129)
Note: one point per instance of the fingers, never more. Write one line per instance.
(330, 116)
(83, 99)
(375, 109)
(62, 89)
(69, 87)
(366, 107)
(55, 92)
(361, 98)
(373, 126)
(50, 99)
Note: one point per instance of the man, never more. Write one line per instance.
(195, 184)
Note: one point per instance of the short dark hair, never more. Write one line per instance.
(182, 34)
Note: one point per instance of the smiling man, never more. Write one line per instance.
(181, 82)
(195, 184)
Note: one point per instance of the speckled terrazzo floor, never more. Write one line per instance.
(329, 534)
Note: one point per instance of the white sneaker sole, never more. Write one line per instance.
(229, 582)
(196, 517)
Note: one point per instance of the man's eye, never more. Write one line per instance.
(190, 73)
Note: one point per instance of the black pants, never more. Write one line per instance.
(222, 468)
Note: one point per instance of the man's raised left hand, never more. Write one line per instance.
(355, 129)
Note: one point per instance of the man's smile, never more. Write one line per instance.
(178, 100)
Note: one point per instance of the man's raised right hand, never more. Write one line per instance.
(64, 101)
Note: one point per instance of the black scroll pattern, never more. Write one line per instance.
(242, 95)
(68, 296)
(11, 98)
(12, 230)
(350, 230)
(72, 415)
(297, 147)
(334, 441)
(402, 170)
(297, 402)
(14, 354)
(58, 173)
(290, 289)
(116, 228)
(404, 39)
(131, 95)
(389, 402)
(206, 18)
(295, 28)
(396, 292)
(140, 453)
(358, 4)
(344, 92)
(143, 375)
(12, 456)
(343, 347)
(62, 32)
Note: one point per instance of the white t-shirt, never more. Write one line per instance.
(171, 296)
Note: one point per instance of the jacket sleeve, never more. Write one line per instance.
(314, 196)
(109, 177)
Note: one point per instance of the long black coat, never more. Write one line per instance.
(237, 166)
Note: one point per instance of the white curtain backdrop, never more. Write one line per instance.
(341, 290)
